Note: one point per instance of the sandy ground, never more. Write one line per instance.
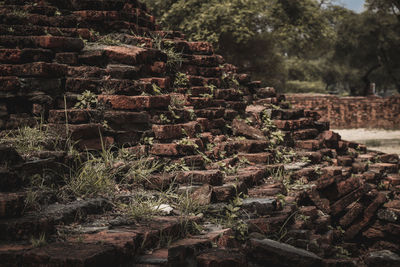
(375, 139)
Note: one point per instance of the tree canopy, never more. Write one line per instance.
(296, 45)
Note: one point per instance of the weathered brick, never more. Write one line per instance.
(17, 56)
(39, 69)
(172, 150)
(203, 177)
(176, 131)
(135, 102)
(59, 43)
(11, 204)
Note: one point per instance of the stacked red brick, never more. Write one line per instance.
(352, 112)
(45, 58)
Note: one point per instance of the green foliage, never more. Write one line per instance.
(156, 89)
(30, 139)
(174, 58)
(87, 100)
(38, 242)
(181, 80)
(164, 119)
(109, 40)
(297, 86)
(99, 174)
(297, 46)
(144, 207)
(19, 13)
(93, 178)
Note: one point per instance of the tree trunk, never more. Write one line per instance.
(366, 80)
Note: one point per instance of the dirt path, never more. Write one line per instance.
(376, 139)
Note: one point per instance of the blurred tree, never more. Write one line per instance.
(256, 35)
(370, 43)
(288, 44)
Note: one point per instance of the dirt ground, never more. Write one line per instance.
(376, 139)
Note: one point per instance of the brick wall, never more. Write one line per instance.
(352, 112)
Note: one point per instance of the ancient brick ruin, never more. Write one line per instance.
(92, 71)
(352, 112)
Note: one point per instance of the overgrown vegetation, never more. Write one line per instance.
(30, 139)
(181, 80)
(174, 58)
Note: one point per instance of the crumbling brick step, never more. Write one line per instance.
(184, 252)
(9, 180)
(37, 69)
(204, 60)
(20, 56)
(176, 131)
(257, 158)
(116, 86)
(199, 48)
(208, 72)
(44, 222)
(11, 204)
(122, 102)
(59, 43)
(244, 146)
(173, 150)
(271, 252)
(250, 176)
(211, 177)
(35, 30)
(294, 124)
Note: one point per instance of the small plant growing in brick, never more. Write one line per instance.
(174, 58)
(156, 89)
(144, 207)
(192, 114)
(86, 100)
(39, 242)
(181, 80)
(164, 119)
(109, 40)
(19, 13)
(177, 166)
(210, 95)
(229, 80)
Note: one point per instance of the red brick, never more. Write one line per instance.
(200, 177)
(176, 131)
(221, 258)
(200, 47)
(309, 144)
(132, 55)
(59, 43)
(39, 69)
(351, 214)
(369, 212)
(342, 203)
(136, 102)
(17, 56)
(11, 204)
(386, 167)
(10, 83)
(172, 150)
(73, 115)
(394, 179)
(72, 254)
(258, 158)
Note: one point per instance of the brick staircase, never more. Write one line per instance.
(319, 197)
